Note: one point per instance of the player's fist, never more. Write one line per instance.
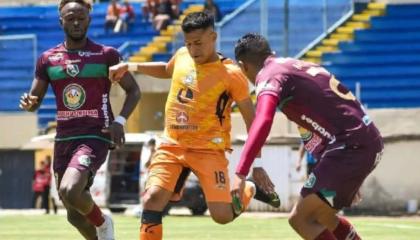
(28, 101)
(116, 72)
(116, 132)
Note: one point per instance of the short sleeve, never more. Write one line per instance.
(272, 86)
(113, 56)
(41, 69)
(238, 86)
(172, 62)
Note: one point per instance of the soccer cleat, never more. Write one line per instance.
(271, 199)
(106, 230)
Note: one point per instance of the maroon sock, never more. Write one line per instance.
(325, 235)
(345, 230)
(95, 216)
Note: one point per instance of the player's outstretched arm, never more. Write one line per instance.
(32, 100)
(258, 133)
(133, 94)
(247, 111)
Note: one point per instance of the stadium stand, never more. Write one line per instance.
(16, 61)
(378, 48)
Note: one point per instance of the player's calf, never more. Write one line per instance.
(345, 231)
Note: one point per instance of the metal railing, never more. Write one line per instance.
(292, 27)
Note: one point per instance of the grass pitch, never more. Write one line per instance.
(44, 227)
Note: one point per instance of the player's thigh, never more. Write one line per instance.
(165, 169)
(338, 176)
(211, 168)
(311, 208)
(74, 182)
(156, 198)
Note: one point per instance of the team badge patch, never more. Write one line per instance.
(310, 182)
(74, 96)
(84, 160)
(72, 69)
(189, 79)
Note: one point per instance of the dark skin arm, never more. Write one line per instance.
(31, 102)
(133, 94)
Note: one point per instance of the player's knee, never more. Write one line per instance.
(74, 219)
(222, 218)
(68, 194)
(154, 199)
(294, 220)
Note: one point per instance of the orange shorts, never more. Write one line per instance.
(210, 167)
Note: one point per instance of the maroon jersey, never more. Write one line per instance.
(79, 79)
(313, 98)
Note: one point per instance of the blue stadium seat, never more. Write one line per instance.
(384, 60)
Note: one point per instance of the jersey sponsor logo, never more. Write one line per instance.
(265, 86)
(183, 127)
(310, 182)
(104, 109)
(56, 57)
(182, 117)
(74, 96)
(89, 53)
(66, 115)
(310, 139)
(70, 61)
(84, 160)
(72, 69)
(321, 130)
(185, 97)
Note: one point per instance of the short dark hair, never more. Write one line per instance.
(197, 20)
(252, 47)
(85, 3)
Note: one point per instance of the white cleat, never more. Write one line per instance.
(106, 230)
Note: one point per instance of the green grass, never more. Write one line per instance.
(186, 227)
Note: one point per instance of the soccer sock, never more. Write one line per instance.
(239, 207)
(248, 194)
(151, 225)
(95, 216)
(325, 235)
(345, 231)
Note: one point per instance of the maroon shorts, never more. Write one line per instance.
(82, 154)
(340, 172)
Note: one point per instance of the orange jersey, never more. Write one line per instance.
(197, 113)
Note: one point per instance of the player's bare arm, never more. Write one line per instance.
(32, 100)
(154, 69)
(116, 129)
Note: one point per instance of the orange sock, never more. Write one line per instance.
(248, 194)
(151, 225)
(151, 231)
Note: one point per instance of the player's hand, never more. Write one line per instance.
(357, 198)
(27, 102)
(116, 72)
(116, 130)
(260, 177)
(298, 167)
(238, 186)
